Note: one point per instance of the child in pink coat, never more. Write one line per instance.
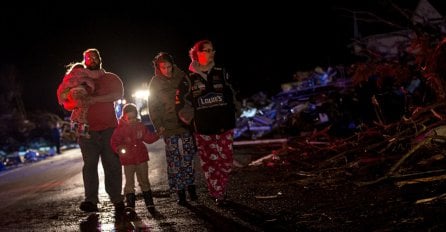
(72, 93)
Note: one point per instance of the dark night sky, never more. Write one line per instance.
(262, 45)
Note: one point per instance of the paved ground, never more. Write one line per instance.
(277, 195)
(44, 196)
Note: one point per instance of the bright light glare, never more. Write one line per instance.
(121, 101)
(141, 94)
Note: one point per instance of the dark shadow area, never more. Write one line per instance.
(156, 214)
(216, 221)
(166, 226)
(156, 194)
(259, 218)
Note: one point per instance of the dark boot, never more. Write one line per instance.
(192, 192)
(119, 209)
(148, 199)
(181, 197)
(130, 199)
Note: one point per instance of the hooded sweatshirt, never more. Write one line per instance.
(162, 102)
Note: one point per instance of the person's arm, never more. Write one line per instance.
(69, 105)
(183, 101)
(61, 94)
(73, 79)
(155, 106)
(111, 97)
(62, 97)
(63, 88)
(149, 137)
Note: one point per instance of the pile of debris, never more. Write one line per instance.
(386, 121)
(299, 108)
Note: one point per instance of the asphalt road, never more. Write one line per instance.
(44, 196)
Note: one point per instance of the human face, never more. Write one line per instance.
(130, 117)
(165, 68)
(92, 60)
(206, 54)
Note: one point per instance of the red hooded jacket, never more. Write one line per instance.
(131, 138)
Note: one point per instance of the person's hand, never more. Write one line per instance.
(160, 131)
(186, 114)
(90, 84)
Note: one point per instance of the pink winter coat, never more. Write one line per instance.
(131, 137)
